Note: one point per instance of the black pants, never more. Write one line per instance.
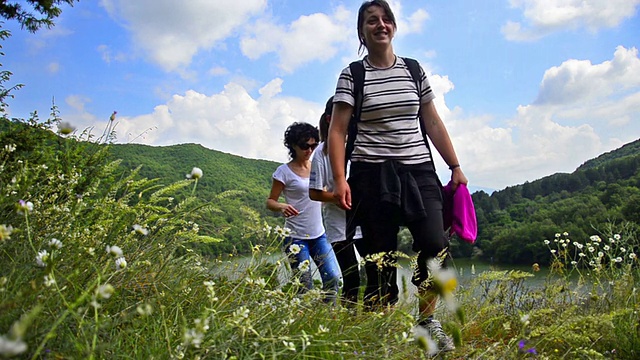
(380, 222)
(346, 256)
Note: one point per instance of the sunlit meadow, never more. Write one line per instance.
(98, 263)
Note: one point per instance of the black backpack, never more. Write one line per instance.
(357, 72)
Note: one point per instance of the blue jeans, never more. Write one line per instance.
(320, 251)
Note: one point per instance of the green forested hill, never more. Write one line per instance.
(222, 171)
(513, 222)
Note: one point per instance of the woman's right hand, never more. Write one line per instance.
(288, 210)
(342, 194)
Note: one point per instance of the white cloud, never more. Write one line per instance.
(579, 80)
(407, 24)
(53, 68)
(315, 37)
(582, 110)
(171, 32)
(542, 17)
(230, 121)
(309, 38)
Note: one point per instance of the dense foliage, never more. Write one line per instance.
(33, 14)
(248, 179)
(605, 189)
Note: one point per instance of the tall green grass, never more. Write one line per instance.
(97, 265)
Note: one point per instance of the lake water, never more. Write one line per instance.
(466, 269)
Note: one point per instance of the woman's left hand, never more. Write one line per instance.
(457, 178)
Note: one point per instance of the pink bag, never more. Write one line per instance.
(459, 213)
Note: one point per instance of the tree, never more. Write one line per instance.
(38, 13)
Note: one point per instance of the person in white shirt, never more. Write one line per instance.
(321, 189)
(303, 217)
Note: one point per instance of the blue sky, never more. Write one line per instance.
(527, 88)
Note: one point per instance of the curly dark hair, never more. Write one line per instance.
(297, 133)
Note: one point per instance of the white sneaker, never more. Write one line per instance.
(445, 343)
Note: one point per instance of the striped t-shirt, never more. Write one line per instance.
(388, 128)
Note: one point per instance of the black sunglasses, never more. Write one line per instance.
(307, 146)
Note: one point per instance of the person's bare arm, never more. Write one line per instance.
(272, 201)
(439, 136)
(340, 117)
(321, 195)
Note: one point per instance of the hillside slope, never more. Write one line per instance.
(222, 171)
(601, 196)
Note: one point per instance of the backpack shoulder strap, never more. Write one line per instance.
(357, 73)
(414, 70)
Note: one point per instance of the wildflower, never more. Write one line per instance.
(295, 249)
(606, 247)
(322, 329)
(196, 173)
(113, 116)
(591, 249)
(422, 336)
(524, 319)
(574, 263)
(578, 245)
(521, 346)
(595, 238)
(623, 249)
(65, 128)
(582, 254)
(473, 269)
(289, 345)
(565, 233)
(535, 267)
(41, 259)
(11, 347)
(55, 243)
(616, 236)
(121, 263)
(612, 240)
(547, 242)
(553, 251)
(193, 337)
(104, 291)
(267, 229)
(5, 232)
(140, 230)
(557, 235)
(49, 280)
(304, 266)
(10, 148)
(144, 309)
(24, 207)
(618, 259)
(632, 256)
(114, 250)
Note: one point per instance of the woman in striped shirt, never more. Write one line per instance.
(392, 180)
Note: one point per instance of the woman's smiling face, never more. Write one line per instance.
(378, 28)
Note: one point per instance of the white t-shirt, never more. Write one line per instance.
(308, 223)
(333, 215)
